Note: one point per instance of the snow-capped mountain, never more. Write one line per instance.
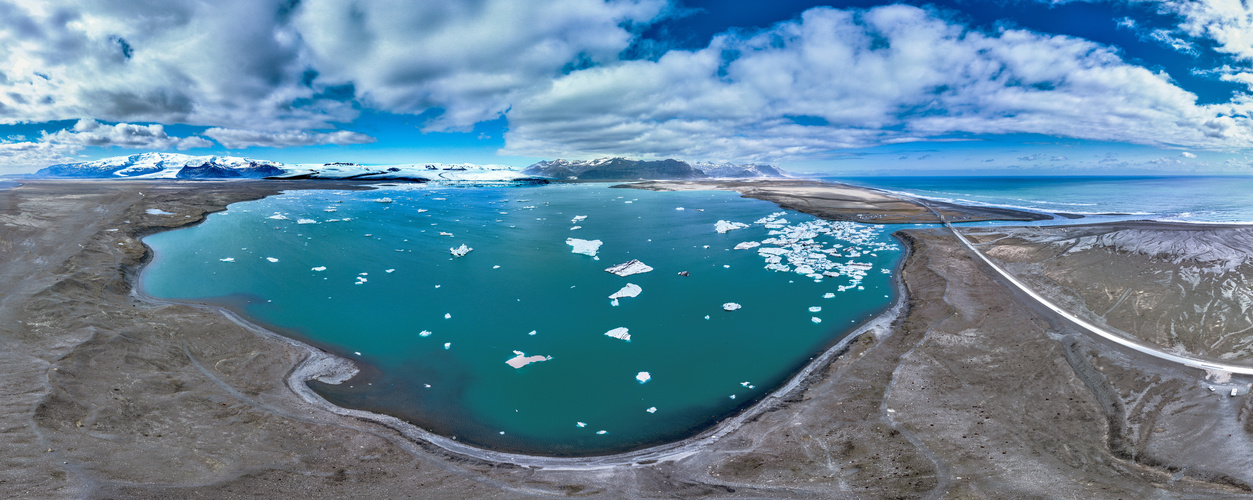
(626, 169)
(165, 166)
(179, 166)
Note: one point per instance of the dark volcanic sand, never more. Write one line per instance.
(968, 394)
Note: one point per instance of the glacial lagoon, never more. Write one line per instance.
(516, 345)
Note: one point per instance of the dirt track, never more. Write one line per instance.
(968, 394)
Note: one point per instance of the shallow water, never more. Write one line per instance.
(389, 277)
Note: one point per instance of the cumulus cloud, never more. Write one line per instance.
(238, 139)
(1186, 154)
(26, 155)
(279, 64)
(849, 78)
(125, 135)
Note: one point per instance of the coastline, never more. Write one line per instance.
(137, 399)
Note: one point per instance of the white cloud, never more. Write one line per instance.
(837, 79)
(1186, 154)
(269, 64)
(238, 139)
(29, 155)
(124, 135)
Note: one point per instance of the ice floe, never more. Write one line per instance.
(278, 216)
(460, 251)
(441, 233)
(228, 259)
(384, 200)
(271, 259)
(747, 245)
(795, 248)
(424, 333)
(828, 295)
(319, 268)
(447, 315)
(630, 290)
(585, 247)
(306, 221)
(731, 306)
(619, 333)
(643, 377)
(815, 309)
(634, 266)
(580, 424)
(651, 409)
(723, 226)
(521, 359)
(447, 345)
(578, 218)
(816, 319)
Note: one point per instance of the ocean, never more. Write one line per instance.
(1209, 199)
(369, 275)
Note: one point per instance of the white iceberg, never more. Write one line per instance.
(585, 247)
(447, 345)
(306, 221)
(651, 409)
(460, 251)
(271, 259)
(619, 333)
(828, 295)
(581, 424)
(747, 245)
(277, 216)
(319, 268)
(577, 218)
(425, 333)
(441, 233)
(521, 359)
(723, 226)
(643, 377)
(815, 309)
(634, 266)
(228, 259)
(630, 290)
(731, 306)
(447, 315)
(816, 319)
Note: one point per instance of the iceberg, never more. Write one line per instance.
(228, 259)
(271, 259)
(828, 295)
(306, 221)
(816, 319)
(577, 219)
(585, 247)
(460, 251)
(521, 359)
(277, 217)
(747, 245)
(731, 306)
(441, 233)
(619, 333)
(815, 309)
(651, 409)
(630, 290)
(447, 345)
(643, 377)
(319, 268)
(723, 226)
(384, 200)
(425, 333)
(634, 266)
(447, 315)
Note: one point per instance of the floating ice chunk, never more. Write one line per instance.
(388, 271)
(603, 432)
(384, 200)
(532, 332)
(732, 396)
(828, 295)
(361, 280)
(619, 333)
(747, 245)
(460, 251)
(447, 315)
(521, 359)
(745, 384)
(441, 233)
(271, 259)
(306, 221)
(577, 219)
(731, 306)
(228, 259)
(420, 210)
(815, 309)
(723, 226)
(651, 409)
(886, 271)
(580, 424)
(630, 290)
(678, 208)
(634, 266)
(576, 227)
(816, 319)
(157, 211)
(706, 316)
(277, 216)
(425, 333)
(495, 267)
(440, 199)
(447, 345)
(614, 302)
(585, 247)
(643, 377)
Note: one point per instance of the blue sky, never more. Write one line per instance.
(858, 87)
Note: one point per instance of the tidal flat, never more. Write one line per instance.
(966, 390)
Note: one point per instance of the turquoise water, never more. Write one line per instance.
(389, 277)
(1220, 199)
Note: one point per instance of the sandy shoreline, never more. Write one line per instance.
(115, 395)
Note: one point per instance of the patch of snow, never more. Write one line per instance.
(157, 211)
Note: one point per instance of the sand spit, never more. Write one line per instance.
(959, 391)
(839, 202)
